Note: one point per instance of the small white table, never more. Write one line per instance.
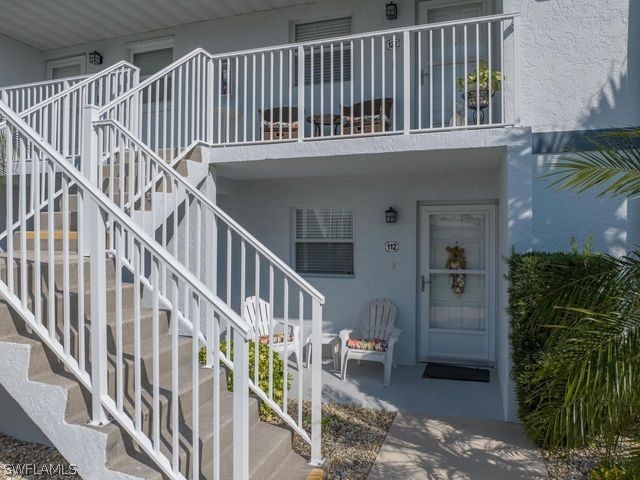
(332, 339)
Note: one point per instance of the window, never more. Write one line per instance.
(66, 67)
(151, 56)
(307, 32)
(324, 241)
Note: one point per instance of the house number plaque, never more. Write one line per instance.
(391, 246)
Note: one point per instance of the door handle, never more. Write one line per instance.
(424, 282)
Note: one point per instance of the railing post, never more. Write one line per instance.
(316, 383)
(89, 166)
(93, 246)
(301, 93)
(406, 72)
(211, 264)
(240, 408)
(134, 113)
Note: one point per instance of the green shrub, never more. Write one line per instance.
(263, 374)
(615, 471)
(536, 281)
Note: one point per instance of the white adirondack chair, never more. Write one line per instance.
(377, 323)
(258, 314)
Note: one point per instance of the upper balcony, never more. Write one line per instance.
(438, 77)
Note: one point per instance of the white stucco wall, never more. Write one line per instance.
(578, 63)
(19, 63)
(264, 207)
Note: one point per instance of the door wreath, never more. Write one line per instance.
(456, 261)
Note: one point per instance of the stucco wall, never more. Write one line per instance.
(264, 207)
(19, 63)
(578, 63)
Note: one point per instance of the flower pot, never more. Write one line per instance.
(477, 97)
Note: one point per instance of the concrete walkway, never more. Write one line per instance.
(420, 446)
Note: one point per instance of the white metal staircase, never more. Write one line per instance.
(109, 254)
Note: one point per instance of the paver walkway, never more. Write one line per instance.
(420, 446)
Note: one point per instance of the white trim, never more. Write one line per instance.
(67, 62)
(149, 45)
(424, 6)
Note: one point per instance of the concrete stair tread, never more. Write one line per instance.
(294, 467)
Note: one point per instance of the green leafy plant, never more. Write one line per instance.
(537, 280)
(480, 75)
(584, 387)
(278, 385)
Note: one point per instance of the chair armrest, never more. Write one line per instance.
(344, 335)
(395, 336)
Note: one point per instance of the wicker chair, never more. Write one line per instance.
(278, 125)
(359, 118)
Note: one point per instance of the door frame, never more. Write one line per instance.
(492, 280)
(80, 60)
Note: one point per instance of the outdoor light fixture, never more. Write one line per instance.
(95, 58)
(391, 215)
(392, 11)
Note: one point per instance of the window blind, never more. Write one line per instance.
(324, 241)
(66, 71)
(152, 61)
(307, 32)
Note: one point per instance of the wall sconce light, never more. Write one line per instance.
(392, 11)
(95, 58)
(391, 215)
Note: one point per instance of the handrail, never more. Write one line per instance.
(43, 82)
(107, 204)
(79, 85)
(193, 53)
(168, 170)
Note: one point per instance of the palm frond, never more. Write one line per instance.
(612, 167)
(587, 380)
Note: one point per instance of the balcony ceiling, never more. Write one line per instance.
(49, 24)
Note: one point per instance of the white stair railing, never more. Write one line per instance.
(228, 259)
(58, 119)
(41, 264)
(22, 97)
(400, 81)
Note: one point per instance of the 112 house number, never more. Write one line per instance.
(391, 246)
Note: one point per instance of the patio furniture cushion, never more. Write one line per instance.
(276, 125)
(367, 119)
(371, 344)
(277, 338)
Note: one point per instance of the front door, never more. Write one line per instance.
(443, 55)
(457, 283)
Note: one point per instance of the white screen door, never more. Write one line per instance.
(457, 324)
(440, 51)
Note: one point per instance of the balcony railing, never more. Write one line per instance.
(407, 80)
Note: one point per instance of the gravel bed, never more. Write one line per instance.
(351, 438)
(570, 465)
(23, 460)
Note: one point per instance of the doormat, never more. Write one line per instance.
(443, 371)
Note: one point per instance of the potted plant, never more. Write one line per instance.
(477, 82)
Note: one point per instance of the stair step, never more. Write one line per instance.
(58, 219)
